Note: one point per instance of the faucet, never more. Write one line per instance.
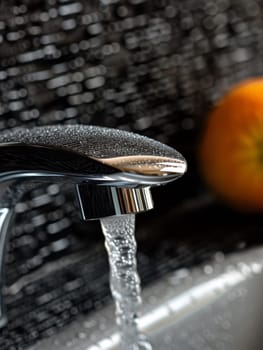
(113, 171)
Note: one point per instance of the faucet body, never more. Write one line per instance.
(112, 171)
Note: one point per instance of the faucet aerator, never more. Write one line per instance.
(100, 201)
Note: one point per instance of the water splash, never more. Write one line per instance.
(124, 280)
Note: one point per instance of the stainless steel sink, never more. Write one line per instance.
(216, 306)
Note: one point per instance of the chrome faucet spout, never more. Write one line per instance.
(112, 171)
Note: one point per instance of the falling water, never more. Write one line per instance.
(124, 280)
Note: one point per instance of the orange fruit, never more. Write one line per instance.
(230, 152)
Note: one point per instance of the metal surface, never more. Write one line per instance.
(213, 306)
(100, 201)
(6, 220)
(88, 151)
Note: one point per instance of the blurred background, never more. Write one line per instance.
(151, 67)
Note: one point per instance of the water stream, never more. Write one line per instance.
(120, 242)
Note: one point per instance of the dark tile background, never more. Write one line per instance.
(153, 67)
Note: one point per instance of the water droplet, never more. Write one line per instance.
(256, 268)
(208, 269)
(82, 335)
(219, 257)
(90, 324)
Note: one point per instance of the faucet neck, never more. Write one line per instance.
(6, 219)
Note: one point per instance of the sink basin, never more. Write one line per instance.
(213, 306)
